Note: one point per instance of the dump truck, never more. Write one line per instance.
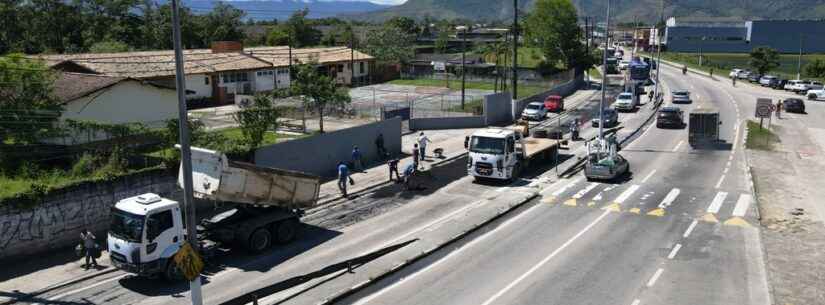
(261, 206)
(502, 153)
(703, 127)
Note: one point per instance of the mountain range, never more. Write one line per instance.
(282, 9)
(621, 10)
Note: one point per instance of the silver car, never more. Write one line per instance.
(681, 97)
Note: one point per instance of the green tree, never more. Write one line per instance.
(764, 59)
(815, 68)
(109, 46)
(28, 109)
(405, 24)
(318, 91)
(277, 36)
(441, 42)
(553, 27)
(223, 23)
(390, 44)
(302, 32)
(257, 119)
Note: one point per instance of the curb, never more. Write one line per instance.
(34, 294)
(335, 297)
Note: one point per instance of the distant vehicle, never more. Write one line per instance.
(619, 53)
(768, 80)
(794, 105)
(735, 73)
(703, 127)
(604, 163)
(146, 231)
(779, 84)
(670, 117)
(816, 94)
(798, 86)
(502, 153)
(534, 111)
(612, 65)
(625, 101)
(611, 118)
(639, 70)
(554, 103)
(745, 74)
(754, 77)
(681, 97)
(624, 64)
(811, 85)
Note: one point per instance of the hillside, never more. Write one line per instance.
(622, 10)
(282, 9)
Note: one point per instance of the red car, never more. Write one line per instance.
(554, 103)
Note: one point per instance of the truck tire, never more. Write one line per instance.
(171, 272)
(516, 172)
(286, 231)
(259, 240)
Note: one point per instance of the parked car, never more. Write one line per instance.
(624, 64)
(801, 86)
(670, 117)
(534, 111)
(745, 74)
(754, 77)
(768, 80)
(816, 94)
(795, 105)
(735, 73)
(791, 84)
(812, 85)
(611, 118)
(681, 97)
(554, 103)
(780, 84)
(625, 101)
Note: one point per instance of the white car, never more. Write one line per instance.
(789, 86)
(534, 111)
(801, 86)
(813, 85)
(735, 73)
(624, 64)
(817, 94)
(625, 102)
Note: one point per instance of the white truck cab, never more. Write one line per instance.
(493, 153)
(144, 233)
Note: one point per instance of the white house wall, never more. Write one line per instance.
(264, 80)
(127, 102)
(201, 84)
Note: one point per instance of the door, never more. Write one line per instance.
(162, 231)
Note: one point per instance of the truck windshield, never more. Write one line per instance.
(484, 145)
(126, 225)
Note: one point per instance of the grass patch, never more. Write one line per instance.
(527, 57)
(594, 73)
(469, 107)
(760, 138)
(523, 90)
(722, 63)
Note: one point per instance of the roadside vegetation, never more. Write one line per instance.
(760, 138)
(723, 63)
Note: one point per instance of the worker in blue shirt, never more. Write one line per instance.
(408, 172)
(356, 159)
(343, 176)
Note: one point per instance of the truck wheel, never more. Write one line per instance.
(286, 231)
(516, 172)
(259, 241)
(172, 273)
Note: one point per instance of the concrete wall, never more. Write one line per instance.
(319, 154)
(56, 222)
(497, 108)
(126, 102)
(564, 89)
(448, 123)
(201, 84)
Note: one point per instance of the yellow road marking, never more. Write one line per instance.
(591, 204)
(634, 211)
(737, 221)
(613, 208)
(709, 217)
(548, 200)
(657, 212)
(570, 202)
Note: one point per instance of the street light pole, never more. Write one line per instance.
(799, 62)
(659, 48)
(463, 64)
(515, 50)
(604, 74)
(185, 151)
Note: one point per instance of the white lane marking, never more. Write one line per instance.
(730, 158)
(716, 204)
(742, 205)
(563, 189)
(446, 258)
(636, 302)
(68, 293)
(726, 170)
(690, 228)
(655, 277)
(626, 194)
(674, 251)
(584, 191)
(546, 259)
(719, 183)
(669, 198)
(648, 176)
(678, 145)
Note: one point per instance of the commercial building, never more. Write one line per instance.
(732, 35)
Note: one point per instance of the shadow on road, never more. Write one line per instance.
(18, 296)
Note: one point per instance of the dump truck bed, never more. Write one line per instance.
(535, 146)
(216, 177)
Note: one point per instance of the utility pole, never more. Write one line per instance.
(515, 50)
(463, 65)
(799, 62)
(659, 48)
(185, 151)
(604, 75)
(351, 62)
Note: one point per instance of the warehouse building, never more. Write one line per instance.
(732, 35)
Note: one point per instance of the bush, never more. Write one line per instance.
(84, 166)
(816, 68)
(115, 165)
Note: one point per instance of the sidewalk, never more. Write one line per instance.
(451, 140)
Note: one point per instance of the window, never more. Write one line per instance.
(206, 80)
(162, 221)
(340, 68)
(361, 67)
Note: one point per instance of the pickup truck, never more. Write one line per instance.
(502, 153)
(146, 231)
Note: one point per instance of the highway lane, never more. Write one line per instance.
(671, 234)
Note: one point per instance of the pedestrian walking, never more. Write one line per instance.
(379, 145)
(416, 154)
(711, 72)
(393, 165)
(650, 95)
(343, 178)
(733, 80)
(422, 145)
(89, 248)
(356, 159)
(779, 109)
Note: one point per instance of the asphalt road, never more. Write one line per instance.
(679, 230)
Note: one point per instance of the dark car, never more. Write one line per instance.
(671, 117)
(794, 105)
(779, 84)
(754, 77)
(611, 118)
